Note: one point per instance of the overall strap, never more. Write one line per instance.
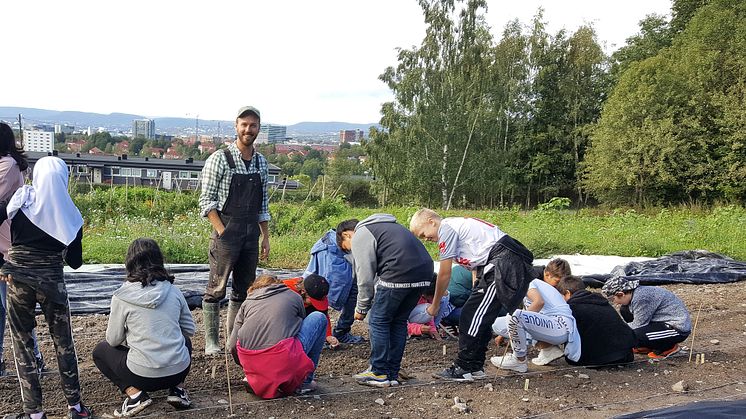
(229, 158)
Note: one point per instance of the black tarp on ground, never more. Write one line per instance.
(686, 267)
(90, 290)
(710, 409)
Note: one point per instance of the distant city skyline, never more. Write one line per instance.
(74, 122)
(289, 58)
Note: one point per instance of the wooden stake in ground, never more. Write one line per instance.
(505, 352)
(227, 370)
(694, 332)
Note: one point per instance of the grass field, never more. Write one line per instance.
(113, 221)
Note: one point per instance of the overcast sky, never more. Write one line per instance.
(295, 60)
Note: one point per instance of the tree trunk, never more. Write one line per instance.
(463, 156)
(443, 184)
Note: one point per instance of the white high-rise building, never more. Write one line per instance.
(143, 128)
(271, 134)
(34, 140)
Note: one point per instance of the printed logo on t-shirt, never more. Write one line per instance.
(463, 262)
(441, 247)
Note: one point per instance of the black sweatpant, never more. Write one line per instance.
(112, 362)
(498, 292)
(658, 336)
(475, 327)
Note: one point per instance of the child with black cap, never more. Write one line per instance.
(658, 317)
(314, 289)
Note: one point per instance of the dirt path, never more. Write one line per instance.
(557, 390)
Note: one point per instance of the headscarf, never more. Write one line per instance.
(46, 202)
(618, 284)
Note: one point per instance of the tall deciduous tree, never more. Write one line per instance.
(439, 98)
(673, 128)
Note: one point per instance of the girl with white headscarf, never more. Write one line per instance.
(46, 231)
(13, 164)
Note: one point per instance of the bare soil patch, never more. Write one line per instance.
(557, 390)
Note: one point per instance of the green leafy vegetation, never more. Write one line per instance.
(516, 120)
(114, 219)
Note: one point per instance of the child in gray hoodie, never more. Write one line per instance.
(147, 344)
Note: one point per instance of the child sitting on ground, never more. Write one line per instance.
(605, 337)
(275, 343)
(547, 319)
(147, 346)
(421, 323)
(659, 319)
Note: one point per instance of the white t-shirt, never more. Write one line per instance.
(468, 241)
(554, 304)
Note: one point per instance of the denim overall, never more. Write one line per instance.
(237, 249)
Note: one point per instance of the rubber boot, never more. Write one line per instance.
(233, 307)
(211, 317)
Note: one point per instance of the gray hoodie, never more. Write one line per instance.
(658, 305)
(268, 315)
(152, 321)
(383, 250)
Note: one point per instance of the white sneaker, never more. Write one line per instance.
(509, 362)
(548, 355)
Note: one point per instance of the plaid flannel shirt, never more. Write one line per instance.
(217, 176)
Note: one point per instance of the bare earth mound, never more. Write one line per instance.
(557, 390)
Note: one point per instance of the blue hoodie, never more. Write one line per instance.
(329, 261)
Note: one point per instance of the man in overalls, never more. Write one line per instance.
(234, 199)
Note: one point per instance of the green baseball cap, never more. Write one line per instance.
(245, 109)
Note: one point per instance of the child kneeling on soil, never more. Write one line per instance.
(147, 346)
(658, 317)
(546, 319)
(605, 337)
(421, 323)
(273, 340)
(314, 289)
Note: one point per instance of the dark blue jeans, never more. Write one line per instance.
(388, 328)
(453, 317)
(312, 335)
(347, 315)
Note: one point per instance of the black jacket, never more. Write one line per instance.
(512, 272)
(605, 338)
